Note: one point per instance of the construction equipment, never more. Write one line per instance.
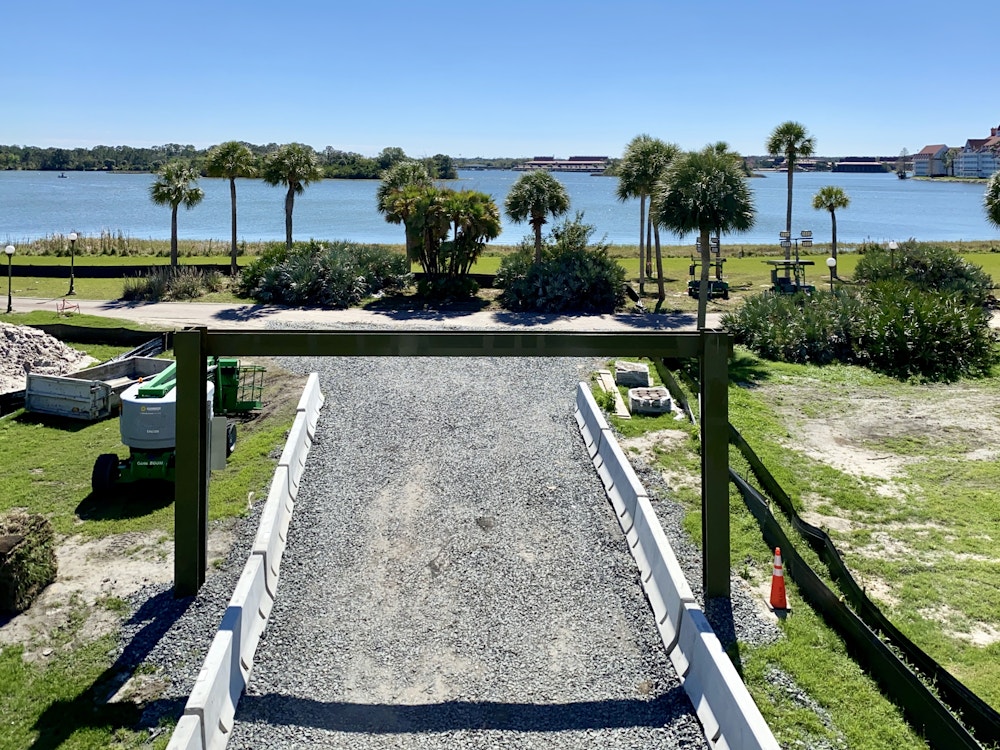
(148, 422)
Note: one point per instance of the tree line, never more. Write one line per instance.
(335, 163)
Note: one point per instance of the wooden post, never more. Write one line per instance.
(191, 484)
(715, 463)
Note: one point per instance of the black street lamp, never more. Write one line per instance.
(9, 251)
(72, 245)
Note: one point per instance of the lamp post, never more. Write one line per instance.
(9, 251)
(892, 254)
(831, 263)
(72, 246)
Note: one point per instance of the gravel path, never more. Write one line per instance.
(455, 576)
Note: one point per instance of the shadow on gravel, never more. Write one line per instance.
(387, 718)
(635, 321)
(94, 706)
(719, 613)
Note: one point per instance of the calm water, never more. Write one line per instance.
(36, 204)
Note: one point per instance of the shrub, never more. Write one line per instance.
(149, 288)
(906, 332)
(251, 275)
(184, 283)
(314, 275)
(890, 326)
(572, 276)
(927, 267)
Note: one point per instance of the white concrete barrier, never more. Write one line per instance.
(310, 403)
(208, 716)
(216, 692)
(187, 734)
(272, 533)
(729, 716)
(293, 457)
(252, 601)
(590, 419)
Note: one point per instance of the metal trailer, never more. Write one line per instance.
(91, 394)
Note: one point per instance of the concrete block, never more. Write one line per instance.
(624, 482)
(310, 403)
(590, 419)
(632, 374)
(253, 602)
(293, 456)
(649, 400)
(273, 529)
(727, 713)
(216, 692)
(187, 734)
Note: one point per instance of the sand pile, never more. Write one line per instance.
(24, 349)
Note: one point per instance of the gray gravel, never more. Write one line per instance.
(455, 577)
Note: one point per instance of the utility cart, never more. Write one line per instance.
(789, 276)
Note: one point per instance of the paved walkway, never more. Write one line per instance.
(231, 315)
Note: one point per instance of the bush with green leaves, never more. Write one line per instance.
(932, 268)
(315, 275)
(907, 332)
(179, 282)
(889, 326)
(573, 275)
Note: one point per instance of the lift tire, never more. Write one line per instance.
(230, 438)
(105, 473)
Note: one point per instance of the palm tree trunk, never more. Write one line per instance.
(538, 240)
(661, 291)
(833, 241)
(649, 233)
(642, 232)
(706, 255)
(788, 210)
(232, 249)
(173, 235)
(289, 205)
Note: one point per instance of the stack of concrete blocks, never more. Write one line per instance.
(727, 713)
(211, 708)
(632, 374)
(654, 400)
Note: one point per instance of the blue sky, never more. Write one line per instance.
(515, 78)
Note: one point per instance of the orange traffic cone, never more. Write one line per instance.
(778, 600)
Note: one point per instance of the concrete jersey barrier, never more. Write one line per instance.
(208, 717)
(729, 717)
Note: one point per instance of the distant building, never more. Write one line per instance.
(860, 164)
(572, 164)
(930, 161)
(980, 157)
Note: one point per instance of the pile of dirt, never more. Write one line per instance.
(24, 349)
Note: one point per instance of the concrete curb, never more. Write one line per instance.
(727, 713)
(210, 710)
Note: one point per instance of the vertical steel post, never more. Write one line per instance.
(191, 484)
(715, 463)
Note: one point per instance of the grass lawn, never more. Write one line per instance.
(60, 700)
(917, 527)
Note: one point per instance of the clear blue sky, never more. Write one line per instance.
(517, 78)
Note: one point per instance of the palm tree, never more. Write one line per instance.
(534, 196)
(174, 186)
(642, 164)
(231, 160)
(703, 191)
(295, 166)
(991, 200)
(791, 140)
(831, 197)
(400, 175)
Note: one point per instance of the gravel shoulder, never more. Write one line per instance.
(455, 576)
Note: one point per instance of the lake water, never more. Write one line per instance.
(883, 207)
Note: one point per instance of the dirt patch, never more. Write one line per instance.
(94, 576)
(977, 633)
